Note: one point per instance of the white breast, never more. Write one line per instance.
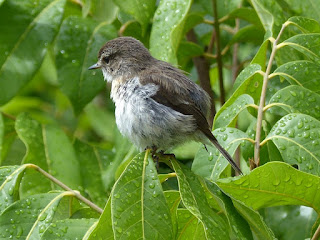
(146, 122)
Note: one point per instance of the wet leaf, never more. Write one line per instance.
(77, 47)
(250, 33)
(274, 184)
(258, 226)
(261, 56)
(303, 73)
(266, 18)
(141, 10)
(7, 136)
(26, 218)
(30, 132)
(211, 164)
(296, 99)
(290, 222)
(103, 228)
(306, 25)
(28, 33)
(192, 193)
(239, 227)
(189, 227)
(62, 160)
(308, 44)
(309, 8)
(91, 172)
(138, 206)
(297, 138)
(173, 199)
(168, 24)
(249, 82)
(10, 178)
(68, 229)
(247, 14)
(229, 116)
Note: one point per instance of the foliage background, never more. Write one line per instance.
(57, 115)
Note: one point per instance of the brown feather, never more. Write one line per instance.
(175, 83)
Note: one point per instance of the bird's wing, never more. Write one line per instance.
(172, 83)
(192, 100)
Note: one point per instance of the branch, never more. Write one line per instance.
(263, 98)
(218, 49)
(8, 116)
(65, 187)
(316, 234)
(235, 62)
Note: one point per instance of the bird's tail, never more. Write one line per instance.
(224, 152)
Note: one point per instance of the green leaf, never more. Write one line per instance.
(309, 8)
(103, 228)
(274, 184)
(192, 20)
(45, 216)
(265, 16)
(77, 47)
(223, 7)
(211, 164)
(102, 10)
(297, 138)
(296, 99)
(308, 44)
(85, 212)
(61, 157)
(303, 73)
(166, 33)
(228, 117)
(173, 200)
(247, 14)
(192, 195)
(238, 225)
(290, 222)
(261, 56)
(26, 218)
(29, 28)
(7, 136)
(133, 29)
(268, 152)
(250, 33)
(31, 133)
(141, 10)
(188, 50)
(113, 159)
(68, 229)
(258, 226)
(138, 206)
(306, 25)
(249, 81)
(15, 152)
(10, 178)
(90, 172)
(189, 227)
(165, 176)
(100, 118)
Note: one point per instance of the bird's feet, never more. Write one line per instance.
(156, 156)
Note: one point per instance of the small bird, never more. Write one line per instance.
(156, 105)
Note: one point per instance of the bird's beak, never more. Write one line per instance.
(94, 66)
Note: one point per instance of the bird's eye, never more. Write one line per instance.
(106, 60)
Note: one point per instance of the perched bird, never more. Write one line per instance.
(157, 106)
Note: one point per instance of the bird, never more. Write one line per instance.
(156, 105)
